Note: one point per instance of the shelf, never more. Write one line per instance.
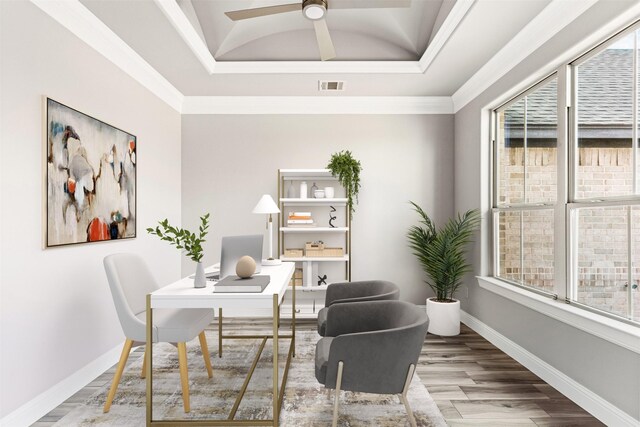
(317, 258)
(303, 174)
(314, 229)
(314, 202)
(314, 288)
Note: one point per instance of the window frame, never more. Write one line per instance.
(567, 205)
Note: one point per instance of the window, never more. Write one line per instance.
(526, 174)
(588, 196)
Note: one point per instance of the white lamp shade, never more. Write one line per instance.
(266, 205)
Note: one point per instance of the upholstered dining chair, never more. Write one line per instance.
(371, 347)
(365, 290)
(130, 281)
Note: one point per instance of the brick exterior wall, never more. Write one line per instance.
(602, 232)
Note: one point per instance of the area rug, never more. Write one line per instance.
(305, 403)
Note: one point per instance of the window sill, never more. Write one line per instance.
(618, 333)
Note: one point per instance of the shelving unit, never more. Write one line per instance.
(310, 296)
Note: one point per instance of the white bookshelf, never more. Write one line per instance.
(309, 296)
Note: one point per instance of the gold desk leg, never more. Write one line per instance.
(220, 332)
(293, 318)
(276, 321)
(149, 356)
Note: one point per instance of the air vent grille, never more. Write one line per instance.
(327, 86)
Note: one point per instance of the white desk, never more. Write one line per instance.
(182, 294)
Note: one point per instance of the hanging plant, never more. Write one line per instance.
(347, 169)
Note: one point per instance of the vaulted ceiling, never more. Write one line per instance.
(430, 48)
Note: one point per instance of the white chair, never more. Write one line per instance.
(130, 281)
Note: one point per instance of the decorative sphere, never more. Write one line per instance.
(245, 267)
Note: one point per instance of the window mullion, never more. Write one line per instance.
(560, 242)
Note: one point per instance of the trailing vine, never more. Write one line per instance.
(347, 169)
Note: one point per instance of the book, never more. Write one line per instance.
(254, 284)
(299, 217)
(299, 213)
(300, 221)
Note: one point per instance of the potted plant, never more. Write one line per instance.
(347, 169)
(188, 242)
(442, 254)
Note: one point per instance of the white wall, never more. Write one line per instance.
(607, 370)
(56, 310)
(229, 161)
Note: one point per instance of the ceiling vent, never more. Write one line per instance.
(326, 86)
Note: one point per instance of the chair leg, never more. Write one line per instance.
(336, 402)
(205, 353)
(143, 374)
(403, 396)
(126, 349)
(184, 375)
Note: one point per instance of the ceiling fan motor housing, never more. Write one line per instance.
(314, 9)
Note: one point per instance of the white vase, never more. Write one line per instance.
(328, 192)
(200, 281)
(444, 317)
(303, 190)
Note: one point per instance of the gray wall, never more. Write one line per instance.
(606, 369)
(56, 313)
(229, 161)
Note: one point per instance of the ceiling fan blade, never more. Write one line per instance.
(368, 4)
(325, 44)
(238, 15)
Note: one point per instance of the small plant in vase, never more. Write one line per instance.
(188, 242)
(442, 254)
(347, 169)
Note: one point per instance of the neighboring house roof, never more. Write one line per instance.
(605, 100)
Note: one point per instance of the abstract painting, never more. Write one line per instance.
(91, 178)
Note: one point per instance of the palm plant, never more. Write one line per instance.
(441, 252)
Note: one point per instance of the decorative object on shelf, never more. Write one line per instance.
(317, 245)
(347, 169)
(318, 194)
(291, 191)
(329, 192)
(266, 205)
(442, 254)
(90, 179)
(245, 267)
(300, 219)
(332, 217)
(294, 252)
(314, 188)
(186, 241)
(322, 280)
(303, 190)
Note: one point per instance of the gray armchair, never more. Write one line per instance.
(366, 290)
(371, 347)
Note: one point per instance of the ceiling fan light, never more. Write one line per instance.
(314, 9)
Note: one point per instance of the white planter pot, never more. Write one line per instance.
(444, 317)
(200, 281)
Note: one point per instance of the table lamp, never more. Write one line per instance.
(266, 205)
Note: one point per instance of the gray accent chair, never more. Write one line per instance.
(365, 290)
(130, 280)
(371, 347)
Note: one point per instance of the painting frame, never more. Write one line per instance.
(90, 182)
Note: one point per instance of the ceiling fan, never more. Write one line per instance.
(316, 11)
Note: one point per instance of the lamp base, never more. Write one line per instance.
(271, 261)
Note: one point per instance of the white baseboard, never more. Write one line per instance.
(42, 404)
(588, 400)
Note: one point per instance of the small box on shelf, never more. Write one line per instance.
(324, 252)
(314, 246)
(293, 252)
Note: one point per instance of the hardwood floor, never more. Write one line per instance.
(473, 383)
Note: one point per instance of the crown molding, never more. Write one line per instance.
(551, 20)
(188, 32)
(317, 105)
(75, 17)
(451, 22)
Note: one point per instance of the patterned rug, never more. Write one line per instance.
(305, 402)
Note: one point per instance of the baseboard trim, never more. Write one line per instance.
(588, 400)
(42, 404)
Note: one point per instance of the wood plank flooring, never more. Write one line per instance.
(473, 383)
